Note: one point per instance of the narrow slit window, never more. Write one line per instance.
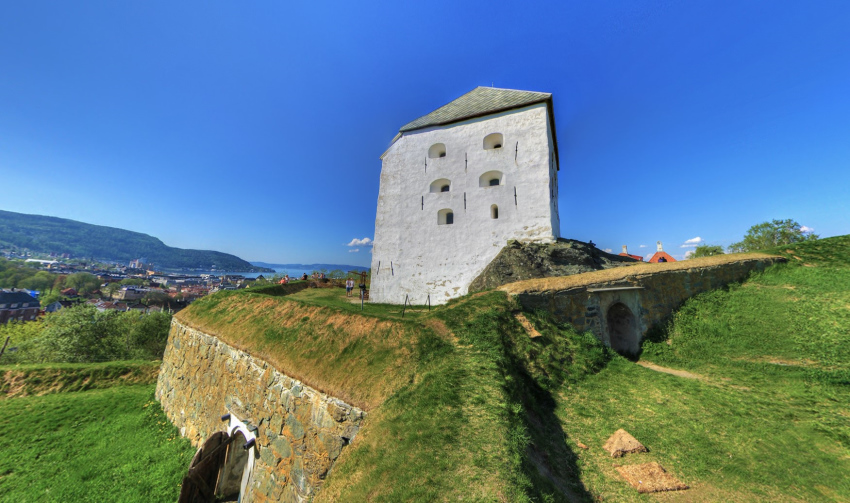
(494, 212)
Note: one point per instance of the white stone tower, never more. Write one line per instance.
(456, 185)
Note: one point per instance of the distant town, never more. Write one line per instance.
(48, 282)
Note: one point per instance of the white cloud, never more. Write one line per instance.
(806, 228)
(607, 250)
(648, 256)
(360, 242)
(689, 253)
(642, 246)
(693, 242)
(355, 250)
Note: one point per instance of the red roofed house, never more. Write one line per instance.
(627, 254)
(661, 256)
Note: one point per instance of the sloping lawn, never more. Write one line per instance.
(763, 415)
(111, 444)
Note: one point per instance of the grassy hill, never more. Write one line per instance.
(87, 432)
(81, 240)
(743, 396)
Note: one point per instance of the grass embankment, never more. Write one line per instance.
(463, 405)
(42, 379)
(623, 273)
(764, 414)
(456, 408)
(360, 359)
(99, 445)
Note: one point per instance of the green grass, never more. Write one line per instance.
(767, 419)
(463, 405)
(100, 445)
(476, 421)
(41, 379)
(335, 297)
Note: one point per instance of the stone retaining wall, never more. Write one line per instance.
(301, 431)
(649, 298)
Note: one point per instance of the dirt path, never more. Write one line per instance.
(529, 328)
(677, 373)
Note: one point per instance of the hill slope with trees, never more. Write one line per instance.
(59, 235)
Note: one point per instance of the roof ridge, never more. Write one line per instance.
(479, 101)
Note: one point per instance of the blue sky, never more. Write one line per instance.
(255, 128)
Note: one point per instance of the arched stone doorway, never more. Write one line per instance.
(622, 330)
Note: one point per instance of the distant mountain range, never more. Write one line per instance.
(59, 235)
(312, 267)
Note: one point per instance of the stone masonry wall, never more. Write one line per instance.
(652, 297)
(301, 431)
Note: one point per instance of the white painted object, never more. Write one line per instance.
(501, 172)
(237, 426)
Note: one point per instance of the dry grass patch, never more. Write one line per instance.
(650, 478)
(625, 273)
(360, 359)
(621, 443)
(529, 328)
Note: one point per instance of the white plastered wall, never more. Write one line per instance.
(414, 255)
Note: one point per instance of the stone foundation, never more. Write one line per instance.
(300, 431)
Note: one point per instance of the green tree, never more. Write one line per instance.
(49, 297)
(706, 251)
(80, 334)
(82, 282)
(111, 288)
(41, 281)
(20, 334)
(156, 297)
(769, 234)
(83, 334)
(148, 334)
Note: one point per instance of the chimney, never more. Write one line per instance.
(658, 243)
(625, 250)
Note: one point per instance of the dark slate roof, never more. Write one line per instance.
(17, 298)
(480, 101)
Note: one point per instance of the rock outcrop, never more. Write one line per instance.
(520, 261)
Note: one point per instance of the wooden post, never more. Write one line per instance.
(4, 345)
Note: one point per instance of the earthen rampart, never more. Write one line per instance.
(621, 305)
(300, 431)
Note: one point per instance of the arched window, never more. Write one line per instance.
(492, 141)
(494, 212)
(491, 179)
(440, 185)
(437, 150)
(445, 217)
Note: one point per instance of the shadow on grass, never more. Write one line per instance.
(544, 467)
